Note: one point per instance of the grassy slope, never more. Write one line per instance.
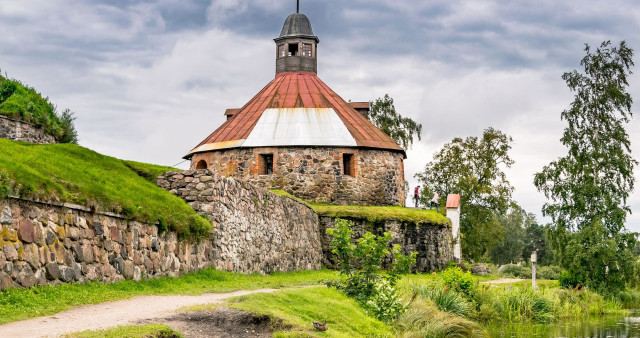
(131, 331)
(301, 307)
(70, 173)
(19, 304)
(25, 103)
(373, 213)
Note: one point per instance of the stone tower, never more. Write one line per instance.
(298, 135)
(297, 47)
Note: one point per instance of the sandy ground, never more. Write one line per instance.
(503, 281)
(111, 314)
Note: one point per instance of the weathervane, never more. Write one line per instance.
(298, 8)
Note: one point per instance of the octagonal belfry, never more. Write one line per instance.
(299, 136)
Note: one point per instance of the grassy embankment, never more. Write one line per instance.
(19, 304)
(19, 101)
(373, 214)
(129, 331)
(73, 174)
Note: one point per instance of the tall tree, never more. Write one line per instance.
(473, 167)
(516, 223)
(401, 129)
(588, 188)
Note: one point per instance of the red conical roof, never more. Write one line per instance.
(297, 93)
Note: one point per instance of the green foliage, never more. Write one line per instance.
(22, 102)
(360, 263)
(537, 238)
(401, 129)
(132, 331)
(458, 280)
(375, 214)
(515, 271)
(424, 320)
(385, 304)
(69, 173)
(551, 272)
(588, 188)
(568, 281)
(473, 167)
(298, 308)
(601, 261)
(444, 298)
(511, 247)
(19, 304)
(149, 172)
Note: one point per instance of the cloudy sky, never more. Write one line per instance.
(148, 80)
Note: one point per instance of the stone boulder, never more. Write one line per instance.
(480, 269)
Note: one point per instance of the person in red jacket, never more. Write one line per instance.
(416, 196)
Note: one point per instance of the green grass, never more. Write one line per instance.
(373, 213)
(378, 214)
(19, 304)
(22, 102)
(131, 331)
(149, 172)
(70, 173)
(299, 308)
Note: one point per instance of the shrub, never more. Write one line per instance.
(361, 263)
(549, 272)
(629, 298)
(515, 271)
(384, 303)
(444, 298)
(568, 281)
(458, 280)
(526, 304)
(424, 320)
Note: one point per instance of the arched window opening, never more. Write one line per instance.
(202, 164)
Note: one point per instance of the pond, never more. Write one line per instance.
(596, 327)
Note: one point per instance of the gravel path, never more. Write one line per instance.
(111, 314)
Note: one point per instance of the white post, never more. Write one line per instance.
(534, 261)
(453, 213)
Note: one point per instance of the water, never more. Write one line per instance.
(599, 327)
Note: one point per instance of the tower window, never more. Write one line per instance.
(281, 51)
(267, 164)
(347, 165)
(306, 49)
(293, 49)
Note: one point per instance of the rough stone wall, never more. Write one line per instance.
(316, 174)
(17, 130)
(433, 243)
(255, 230)
(44, 244)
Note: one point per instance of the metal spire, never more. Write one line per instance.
(298, 8)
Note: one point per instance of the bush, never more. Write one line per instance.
(444, 298)
(568, 281)
(385, 304)
(361, 263)
(458, 280)
(515, 271)
(424, 320)
(549, 272)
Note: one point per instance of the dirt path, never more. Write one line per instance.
(503, 281)
(106, 315)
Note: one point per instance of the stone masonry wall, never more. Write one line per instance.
(44, 244)
(255, 230)
(17, 130)
(433, 243)
(316, 174)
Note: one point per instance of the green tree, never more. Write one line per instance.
(537, 238)
(401, 129)
(510, 249)
(588, 188)
(473, 167)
